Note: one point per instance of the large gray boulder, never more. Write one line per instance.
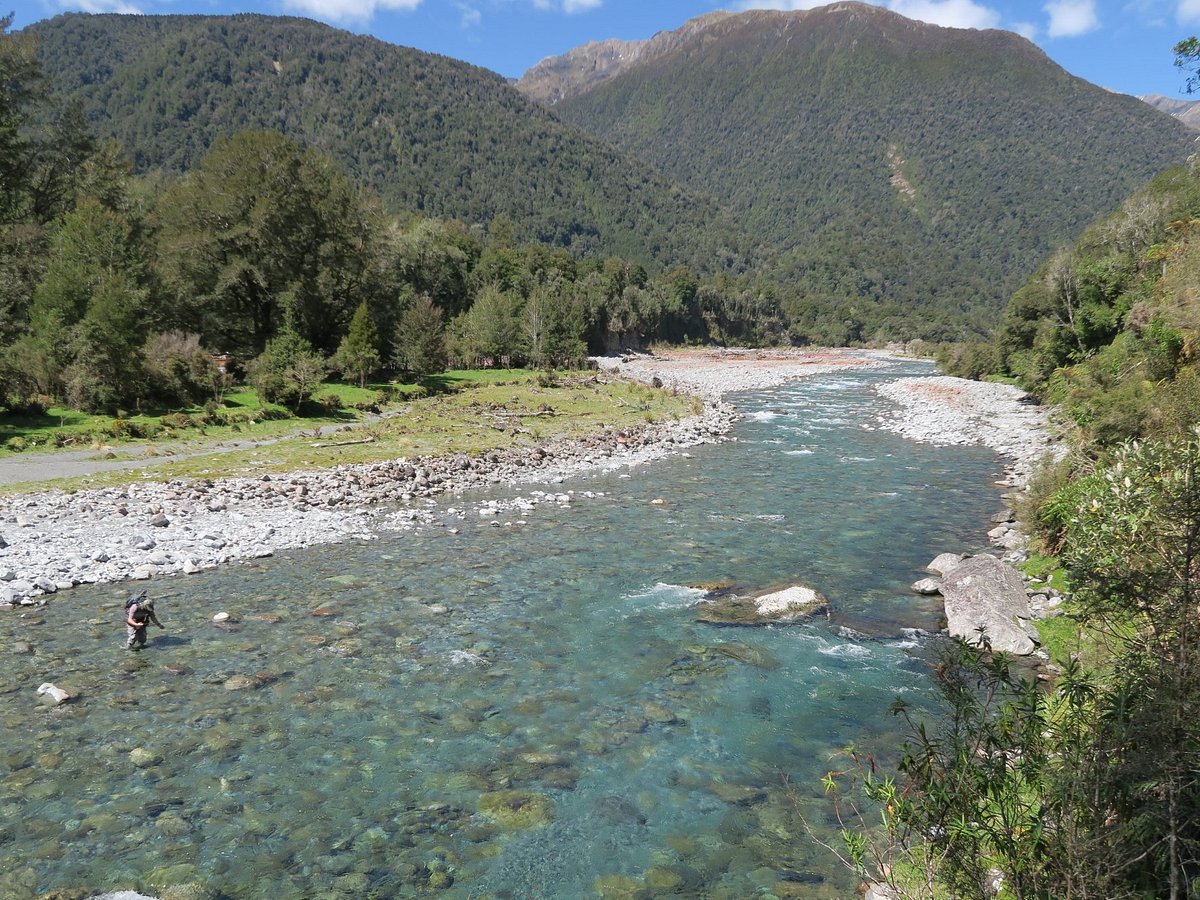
(983, 592)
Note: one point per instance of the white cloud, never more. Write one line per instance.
(569, 6)
(1027, 30)
(102, 6)
(949, 13)
(348, 10)
(470, 17)
(784, 4)
(1188, 11)
(1071, 18)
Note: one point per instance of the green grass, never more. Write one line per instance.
(461, 413)
(1047, 570)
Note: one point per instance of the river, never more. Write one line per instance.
(525, 709)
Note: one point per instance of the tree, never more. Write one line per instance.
(1133, 550)
(288, 370)
(420, 338)
(179, 369)
(552, 325)
(104, 372)
(20, 89)
(492, 332)
(434, 258)
(259, 220)
(1187, 57)
(358, 354)
(89, 313)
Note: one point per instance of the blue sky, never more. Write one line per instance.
(1124, 45)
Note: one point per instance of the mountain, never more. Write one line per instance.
(1186, 111)
(429, 134)
(578, 71)
(897, 166)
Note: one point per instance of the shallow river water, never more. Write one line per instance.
(523, 710)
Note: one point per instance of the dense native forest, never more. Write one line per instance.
(118, 289)
(900, 170)
(427, 135)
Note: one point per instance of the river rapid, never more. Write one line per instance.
(520, 706)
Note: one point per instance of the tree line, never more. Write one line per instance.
(118, 289)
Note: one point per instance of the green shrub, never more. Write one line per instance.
(16, 444)
(331, 402)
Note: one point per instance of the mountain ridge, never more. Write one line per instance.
(430, 135)
(891, 161)
(1186, 111)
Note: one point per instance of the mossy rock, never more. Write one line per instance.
(751, 656)
(791, 604)
(143, 758)
(720, 586)
(617, 887)
(663, 880)
(178, 875)
(517, 809)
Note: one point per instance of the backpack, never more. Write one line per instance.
(134, 600)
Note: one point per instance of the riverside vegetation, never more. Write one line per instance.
(1089, 788)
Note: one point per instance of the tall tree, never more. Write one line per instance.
(357, 355)
(262, 223)
(420, 339)
(492, 332)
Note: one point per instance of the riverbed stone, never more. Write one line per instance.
(143, 757)
(944, 563)
(791, 604)
(517, 809)
(985, 593)
(927, 587)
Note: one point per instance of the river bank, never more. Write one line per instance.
(52, 540)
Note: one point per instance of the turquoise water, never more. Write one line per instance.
(520, 711)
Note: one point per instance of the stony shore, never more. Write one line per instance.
(52, 541)
(954, 411)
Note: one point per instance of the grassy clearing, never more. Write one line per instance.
(457, 413)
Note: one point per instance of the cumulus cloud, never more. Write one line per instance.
(348, 10)
(949, 13)
(1188, 11)
(1071, 18)
(1027, 30)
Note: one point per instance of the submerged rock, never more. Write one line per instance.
(752, 656)
(984, 593)
(517, 809)
(770, 608)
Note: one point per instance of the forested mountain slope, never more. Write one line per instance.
(897, 164)
(429, 134)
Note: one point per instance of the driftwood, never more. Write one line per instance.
(366, 440)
